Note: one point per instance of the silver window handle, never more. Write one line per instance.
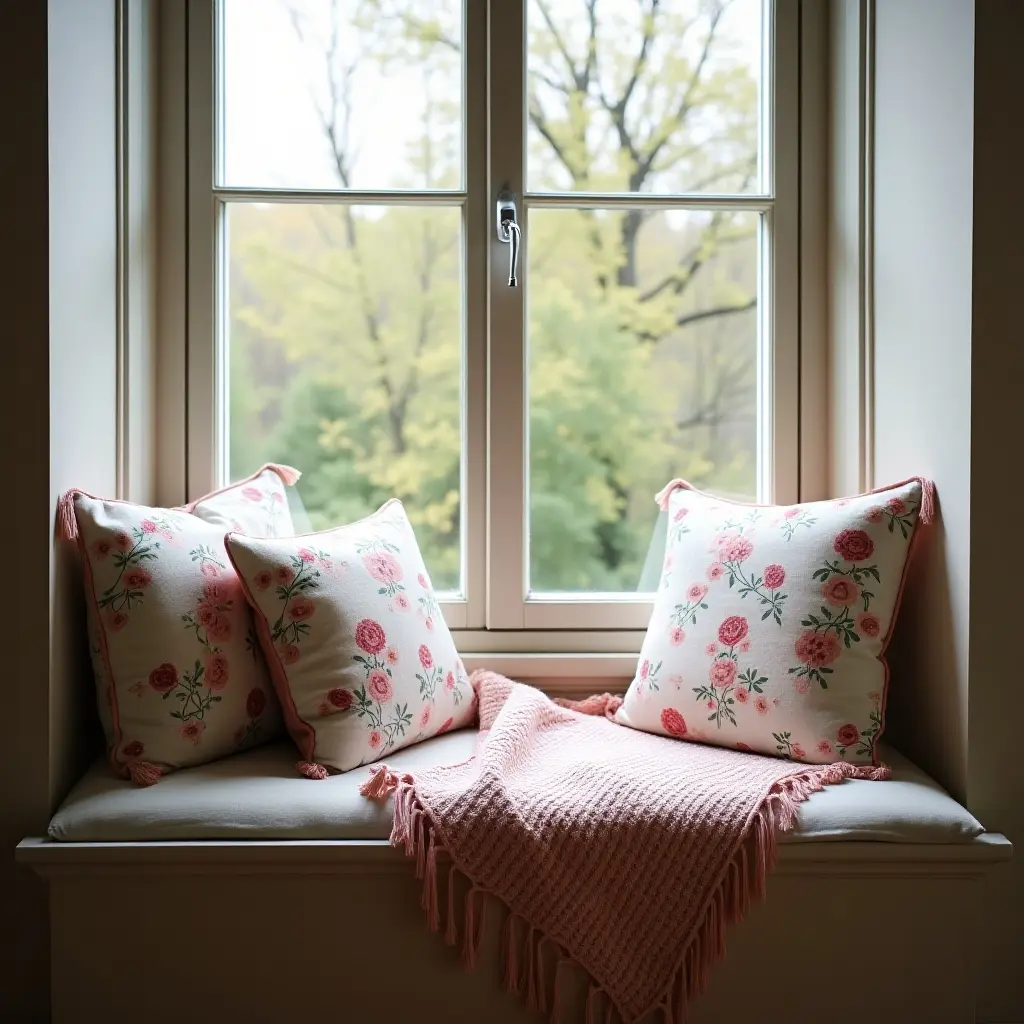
(508, 231)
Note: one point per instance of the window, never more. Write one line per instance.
(349, 303)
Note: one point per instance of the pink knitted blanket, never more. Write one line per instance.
(625, 852)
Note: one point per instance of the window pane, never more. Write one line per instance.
(643, 352)
(345, 356)
(309, 84)
(628, 96)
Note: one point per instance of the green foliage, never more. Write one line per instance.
(346, 322)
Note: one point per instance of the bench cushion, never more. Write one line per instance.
(257, 795)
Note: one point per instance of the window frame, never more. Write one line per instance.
(495, 517)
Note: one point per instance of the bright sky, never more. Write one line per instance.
(273, 137)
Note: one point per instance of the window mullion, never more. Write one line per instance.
(506, 434)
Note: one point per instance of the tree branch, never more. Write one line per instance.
(707, 314)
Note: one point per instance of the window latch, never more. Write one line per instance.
(508, 231)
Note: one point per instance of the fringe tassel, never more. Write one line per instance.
(927, 512)
(597, 704)
(142, 773)
(288, 474)
(382, 782)
(66, 525)
(451, 935)
(311, 770)
(474, 927)
(510, 959)
(429, 901)
(665, 493)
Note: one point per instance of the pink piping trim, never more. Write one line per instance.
(926, 515)
(301, 731)
(288, 476)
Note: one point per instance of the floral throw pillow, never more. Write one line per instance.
(257, 505)
(180, 676)
(770, 623)
(360, 655)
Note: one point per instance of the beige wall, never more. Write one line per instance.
(57, 402)
(24, 330)
(995, 781)
(949, 368)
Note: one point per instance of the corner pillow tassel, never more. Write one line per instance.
(677, 798)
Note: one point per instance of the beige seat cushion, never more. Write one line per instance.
(257, 795)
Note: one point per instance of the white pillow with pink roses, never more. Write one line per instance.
(359, 652)
(770, 622)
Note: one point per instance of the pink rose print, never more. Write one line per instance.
(383, 567)
(284, 575)
(426, 658)
(802, 684)
(252, 493)
(425, 717)
(680, 515)
(711, 650)
(392, 656)
(742, 696)
(301, 609)
(676, 636)
(853, 545)
(817, 649)
(192, 730)
(117, 621)
(711, 705)
(847, 735)
(218, 593)
(133, 749)
(445, 726)
(824, 747)
(401, 603)
(210, 570)
(216, 671)
(422, 581)
(429, 623)
(148, 526)
(645, 668)
(897, 506)
(255, 703)
(797, 751)
(164, 678)
(840, 591)
(868, 624)
(289, 654)
(744, 647)
(370, 636)
(715, 571)
(761, 705)
(340, 698)
(722, 672)
(101, 548)
(375, 740)
(123, 541)
(136, 579)
(874, 514)
(277, 498)
(672, 722)
(737, 549)
(262, 580)
(696, 592)
(379, 685)
(449, 682)
(792, 513)
(774, 576)
(307, 556)
(732, 630)
(220, 629)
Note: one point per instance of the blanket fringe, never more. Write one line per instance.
(596, 704)
(523, 955)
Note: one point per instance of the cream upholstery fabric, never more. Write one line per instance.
(256, 795)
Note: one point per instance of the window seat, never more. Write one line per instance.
(235, 860)
(258, 796)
